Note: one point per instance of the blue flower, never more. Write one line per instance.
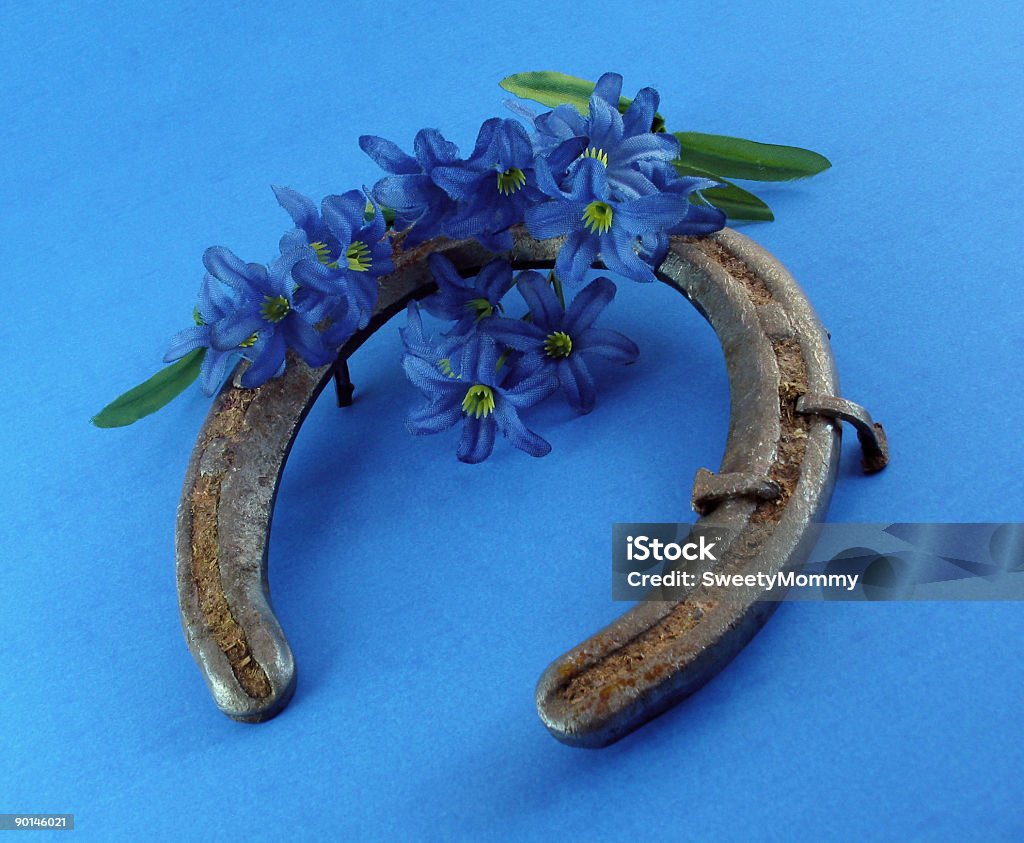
(699, 219)
(419, 343)
(598, 224)
(620, 142)
(496, 185)
(266, 320)
(474, 396)
(344, 255)
(560, 340)
(467, 302)
(411, 191)
(214, 305)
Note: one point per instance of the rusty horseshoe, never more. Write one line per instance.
(774, 482)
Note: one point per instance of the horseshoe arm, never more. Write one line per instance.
(227, 503)
(774, 483)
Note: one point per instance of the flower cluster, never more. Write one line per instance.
(488, 367)
(604, 180)
(309, 299)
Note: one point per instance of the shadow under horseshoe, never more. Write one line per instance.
(775, 481)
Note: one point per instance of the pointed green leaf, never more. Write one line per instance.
(150, 396)
(738, 204)
(551, 88)
(744, 159)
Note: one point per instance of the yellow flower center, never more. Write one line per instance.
(510, 181)
(479, 401)
(275, 308)
(558, 345)
(597, 217)
(481, 307)
(358, 256)
(597, 155)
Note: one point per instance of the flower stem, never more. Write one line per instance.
(557, 284)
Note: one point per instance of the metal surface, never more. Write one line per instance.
(774, 482)
(870, 434)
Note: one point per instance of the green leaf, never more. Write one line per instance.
(738, 204)
(150, 396)
(551, 88)
(744, 159)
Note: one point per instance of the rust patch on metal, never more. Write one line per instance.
(792, 446)
(224, 629)
(230, 418)
(735, 266)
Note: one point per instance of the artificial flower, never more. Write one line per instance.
(597, 224)
(474, 395)
(621, 142)
(410, 190)
(265, 320)
(496, 185)
(467, 301)
(560, 340)
(344, 255)
(214, 305)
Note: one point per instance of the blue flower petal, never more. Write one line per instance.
(312, 274)
(477, 440)
(214, 301)
(294, 238)
(514, 333)
(343, 215)
(268, 361)
(515, 149)
(576, 257)
(300, 208)
(186, 341)
(457, 181)
(544, 305)
(605, 128)
(640, 114)
(388, 156)
(307, 342)
(494, 280)
(609, 88)
(656, 212)
(619, 255)
(435, 417)
(608, 344)
(235, 329)
(214, 369)
(577, 383)
(559, 159)
(533, 389)
(700, 219)
(224, 265)
(588, 304)
(480, 359)
(406, 194)
(485, 137)
(432, 148)
(590, 181)
(562, 123)
(551, 219)
(426, 377)
(507, 420)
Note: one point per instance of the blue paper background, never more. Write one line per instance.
(423, 597)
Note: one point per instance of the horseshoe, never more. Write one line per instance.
(775, 481)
